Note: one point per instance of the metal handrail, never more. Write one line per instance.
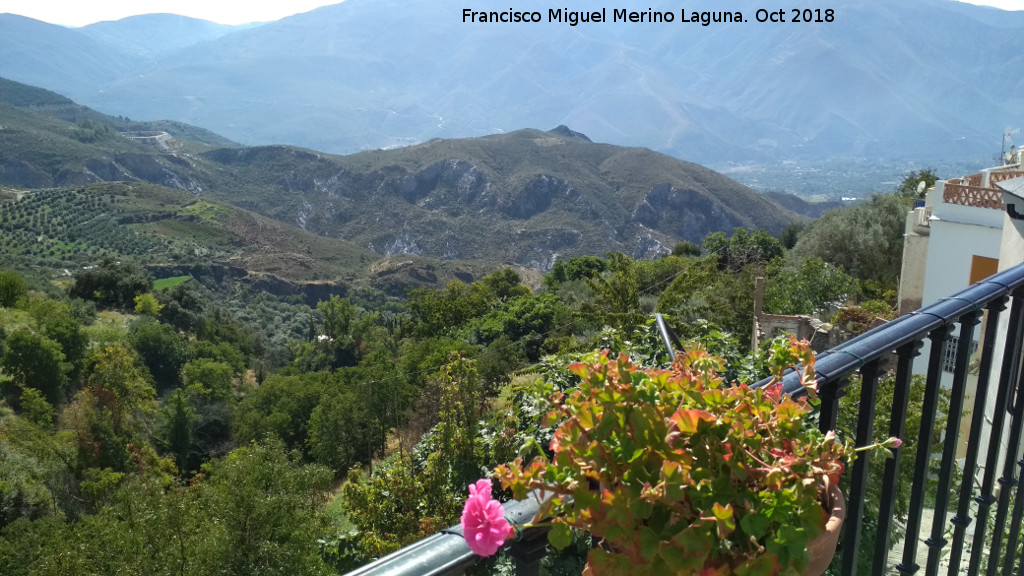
(849, 356)
(899, 341)
(446, 553)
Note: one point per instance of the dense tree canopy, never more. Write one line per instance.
(916, 184)
(163, 351)
(112, 283)
(865, 241)
(580, 268)
(742, 249)
(57, 321)
(12, 288)
(35, 361)
(178, 431)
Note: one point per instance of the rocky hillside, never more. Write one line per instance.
(528, 197)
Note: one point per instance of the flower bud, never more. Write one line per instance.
(893, 442)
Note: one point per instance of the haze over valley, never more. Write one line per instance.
(884, 88)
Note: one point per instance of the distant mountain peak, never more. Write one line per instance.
(745, 92)
(565, 131)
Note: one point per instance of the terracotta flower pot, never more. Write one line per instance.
(823, 548)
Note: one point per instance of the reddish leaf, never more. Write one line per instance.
(688, 420)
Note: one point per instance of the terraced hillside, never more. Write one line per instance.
(74, 227)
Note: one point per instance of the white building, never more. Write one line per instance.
(966, 230)
(953, 240)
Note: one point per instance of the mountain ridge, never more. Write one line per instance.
(528, 197)
(150, 36)
(542, 195)
(906, 80)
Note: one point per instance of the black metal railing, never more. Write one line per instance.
(894, 346)
(995, 414)
(446, 552)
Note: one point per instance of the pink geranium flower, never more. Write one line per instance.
(483, 520)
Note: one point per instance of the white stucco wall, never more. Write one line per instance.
(957, 234)
(915, 258)
(1011, 250)
(951, 247)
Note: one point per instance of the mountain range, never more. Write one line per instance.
(915, 79)
(527, 198)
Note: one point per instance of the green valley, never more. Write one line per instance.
(269, 360)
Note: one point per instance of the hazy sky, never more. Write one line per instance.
(82, 12)
(1004, 4)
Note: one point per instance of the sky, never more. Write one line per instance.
(1004, 4)
(81, 13)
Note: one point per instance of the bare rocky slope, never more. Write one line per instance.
(528, 197)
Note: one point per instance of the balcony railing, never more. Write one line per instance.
(1003, 175)
(973, 196)
(982, 527)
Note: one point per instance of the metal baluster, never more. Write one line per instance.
(830, 392)
(858, 484)
(1008, 480)
(897, 425)
(1012, 552)
(931, 401)
(529, 552)
(1007, 382)
(962, 519)
(1018, 506)
(956, 407)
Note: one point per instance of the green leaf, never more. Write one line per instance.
(641, 508)
(585, 419)
(795, 539)
(560, 536)
(649, 543)
(672, 476)
(584, 497)
(695, 542)
(725, 521)
(673, 556)
(764, 564)
(755, 525)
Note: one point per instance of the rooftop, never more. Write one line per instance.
(979, 190)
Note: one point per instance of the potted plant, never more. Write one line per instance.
(677, 472)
